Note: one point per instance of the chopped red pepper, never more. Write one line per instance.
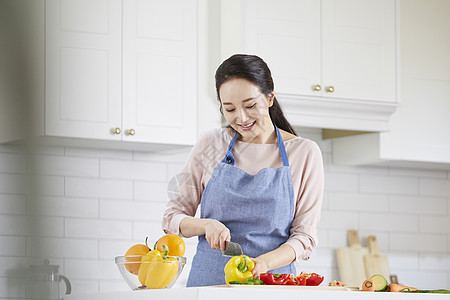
(301, 280)
(312, 279)
(273, 279)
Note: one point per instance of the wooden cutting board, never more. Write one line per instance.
(289, 287)
(350, 261)
(374, 261)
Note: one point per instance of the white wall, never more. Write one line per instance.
(94, 204)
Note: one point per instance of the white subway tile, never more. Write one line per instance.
(424, 280)
(134, 170)
(341, 182)
(13, 184)
(109, 249)
(99, 188)
(389, 222)
(150, 229)
(418, 204)
(417, 172)
(13, 163)
(403, 261)
(64, 207)
(339, 220)
(325, 201)
(322, 236)
(12, 148)
(15, 225)
(434, 187)
(151, 191)
(92, 269)
(13, 204)
(132, 210)
(66, 166)
(434, 262)
(48, 185)
(84, 286)
(62, 247)
(116, 285)
(179, 155)
(388, 184)
(358, 202)
(48, 150)
(101, 229)
(49, 226)
(99, 153)
(320, 258)
(435, 224)
(12, 246)
(418, 242)
(337, 238)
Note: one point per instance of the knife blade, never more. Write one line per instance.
(232, 249)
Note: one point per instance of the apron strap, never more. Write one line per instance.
(229, 158)
(283, 154)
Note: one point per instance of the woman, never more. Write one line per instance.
(258, 183)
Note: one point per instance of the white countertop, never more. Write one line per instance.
(250, 292)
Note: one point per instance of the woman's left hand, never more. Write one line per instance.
(260, 266)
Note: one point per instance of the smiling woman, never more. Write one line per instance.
(258, 183)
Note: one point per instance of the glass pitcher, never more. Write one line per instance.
(44, 282)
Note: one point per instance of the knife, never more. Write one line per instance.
(232, 249)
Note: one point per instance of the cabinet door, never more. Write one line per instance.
(359, 49)
(286, 34)
(159, 70)
(83, 68)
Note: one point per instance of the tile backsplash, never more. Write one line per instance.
(86, 206)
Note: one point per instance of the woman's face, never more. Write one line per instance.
(246, 109)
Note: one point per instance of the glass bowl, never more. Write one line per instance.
(150, 274)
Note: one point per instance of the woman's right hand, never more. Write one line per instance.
(217, 234)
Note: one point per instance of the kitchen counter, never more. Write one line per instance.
(250, 292)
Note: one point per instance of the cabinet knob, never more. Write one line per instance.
(330, 89)
(116, 131)
(130, 132)
(317, 87)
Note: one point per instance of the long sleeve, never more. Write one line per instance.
(303, 231)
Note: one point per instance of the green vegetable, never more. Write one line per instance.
(380, 282)
(248, 281)
(429, 291)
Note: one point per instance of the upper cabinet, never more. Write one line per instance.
(419, 134)
(333, 62)
(121, 70)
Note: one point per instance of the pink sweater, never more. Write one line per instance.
(305, 160)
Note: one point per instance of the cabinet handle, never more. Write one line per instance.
(116, 131)
(130, 132)
(317, 87)
(330, 89)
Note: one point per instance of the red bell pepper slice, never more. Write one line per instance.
(273, 279)
(312, 279)
(301, 280)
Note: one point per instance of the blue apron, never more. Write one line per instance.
(257, 209)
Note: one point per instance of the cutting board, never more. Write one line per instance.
(289, 287)
(350, 261)
(374, 261)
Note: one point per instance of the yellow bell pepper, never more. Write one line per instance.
(157, 270)
(239, 268)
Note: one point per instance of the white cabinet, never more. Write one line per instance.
(333, 62)
(121, 70)
(420, 127)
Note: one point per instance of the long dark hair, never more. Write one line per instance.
(255, 70)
